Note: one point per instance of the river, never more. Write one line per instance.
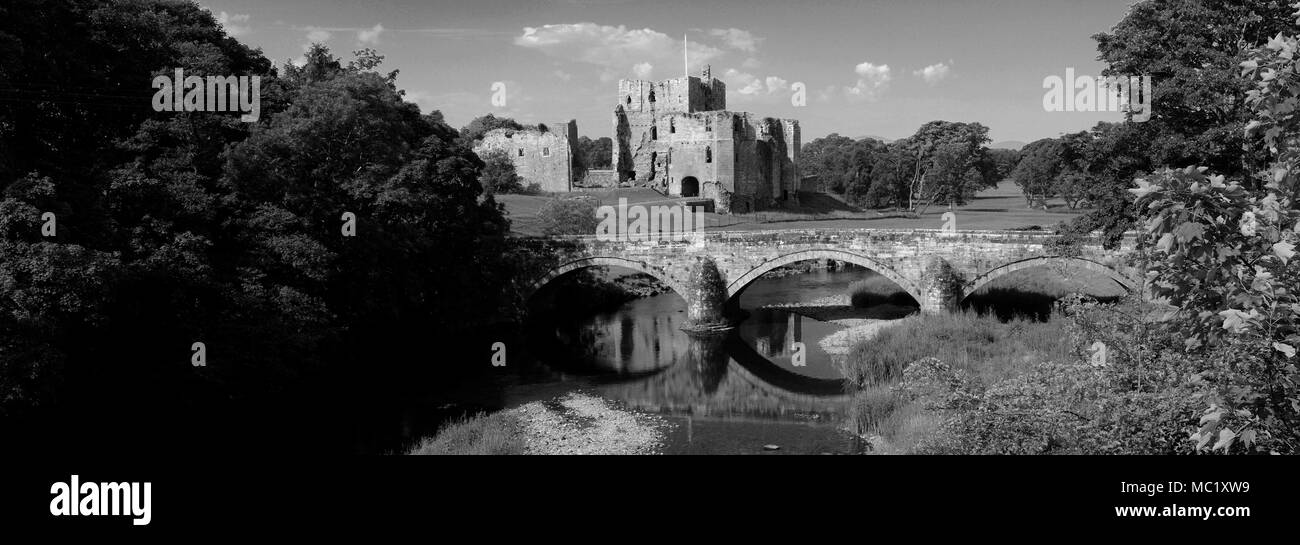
(744, 392)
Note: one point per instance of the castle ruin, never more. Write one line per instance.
(677, 137)
(542, 155)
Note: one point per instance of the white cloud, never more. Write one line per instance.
(736, 38)
(872, 80)
(317, 34)
(370, 35)
(235, 24)
(746, 84)
(643, 70)
(616, 49)
(751, 63)
(934, 73)
(563, 75)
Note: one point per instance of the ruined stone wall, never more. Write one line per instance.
(540, 157)
(741, 161)
(792, 175)
(599, 178)
(680, 95)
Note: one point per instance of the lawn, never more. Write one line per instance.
(994, 209)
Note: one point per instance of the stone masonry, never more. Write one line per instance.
(542, 157)
(677, 137)
(938, 269)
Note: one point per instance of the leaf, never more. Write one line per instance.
(1166, 242)
(1284, 250)
(1234, 320)
(1202, 438)
(1285, 349)
(1189, 231)
(1143, 188)
(1248, 437)
(1226, 437)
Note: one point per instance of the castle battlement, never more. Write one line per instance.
(684, 95)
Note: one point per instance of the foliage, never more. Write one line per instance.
(195, 226)
(1039, 166)
(480, 126)
(593, 154)
(1192, 50)
(498, 174)
(1136, 399)
(1223, 253)
(568, 217)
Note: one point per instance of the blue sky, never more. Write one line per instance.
(869, 68)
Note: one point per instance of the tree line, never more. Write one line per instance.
(182, 227)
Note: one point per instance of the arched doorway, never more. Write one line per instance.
(690, 187)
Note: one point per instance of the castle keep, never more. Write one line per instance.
(677, 137)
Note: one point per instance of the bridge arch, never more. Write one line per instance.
(739, 284)
(1042, 261)
(608, 261)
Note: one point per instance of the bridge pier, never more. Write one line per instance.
(941, 286)
(706, 296)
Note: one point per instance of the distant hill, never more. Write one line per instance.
(874, 137)
(1008, 144)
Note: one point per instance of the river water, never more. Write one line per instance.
(730, 394)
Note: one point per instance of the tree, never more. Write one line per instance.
(1039, 166)
(947, 156)
(596, 154)
(480, 126)
(194, 226)
(891, 174)
(829, 159)
(1000, 162)
(498, 174)
(859, 180)
(1192, 51)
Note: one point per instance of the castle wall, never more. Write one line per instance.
(541, 157)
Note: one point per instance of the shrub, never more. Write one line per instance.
(498, 174)
(568, 217)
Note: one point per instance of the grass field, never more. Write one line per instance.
(993, 209)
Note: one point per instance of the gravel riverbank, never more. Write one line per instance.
(579, 423)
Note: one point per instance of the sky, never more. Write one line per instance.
(866, 67)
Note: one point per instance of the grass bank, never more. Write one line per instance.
(983, 345)
(496, 433)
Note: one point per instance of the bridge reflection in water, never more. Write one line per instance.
(641, 357)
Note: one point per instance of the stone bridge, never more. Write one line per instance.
(939, 269)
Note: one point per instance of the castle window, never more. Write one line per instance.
(654, 132)
(546, 152)
(672, 126)
(708, 154)
(652, 96)
(708, 124)
(521, 152)
(629, 100)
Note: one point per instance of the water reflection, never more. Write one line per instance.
(640, 356)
